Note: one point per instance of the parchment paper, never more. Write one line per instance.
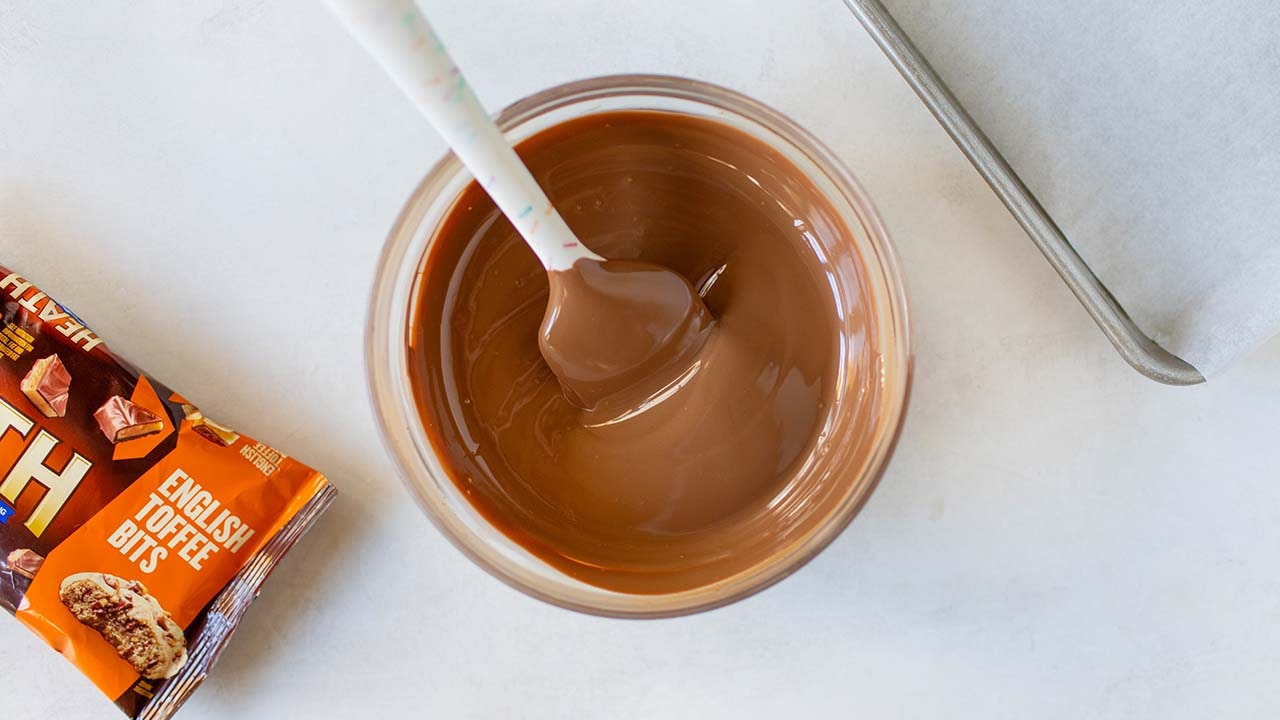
(1150, 131)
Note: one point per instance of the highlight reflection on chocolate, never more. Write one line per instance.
(47, 385)
(710, 482)
(121, 420)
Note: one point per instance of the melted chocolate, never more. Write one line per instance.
(712, 480)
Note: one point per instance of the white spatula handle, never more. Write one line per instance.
(398, 36)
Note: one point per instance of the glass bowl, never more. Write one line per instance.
(852, 456)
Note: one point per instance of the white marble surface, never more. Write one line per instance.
(1056, 538)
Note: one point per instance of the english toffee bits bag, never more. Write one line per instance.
(134, 531)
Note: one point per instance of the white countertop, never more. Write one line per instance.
(208, 184)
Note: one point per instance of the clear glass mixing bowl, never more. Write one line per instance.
(857, 461)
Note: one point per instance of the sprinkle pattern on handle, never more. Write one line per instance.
(397, 35)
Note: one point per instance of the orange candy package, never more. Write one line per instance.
(134, 531)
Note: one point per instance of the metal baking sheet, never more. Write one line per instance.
(1136, 347)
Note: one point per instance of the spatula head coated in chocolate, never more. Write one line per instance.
(619, 334)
